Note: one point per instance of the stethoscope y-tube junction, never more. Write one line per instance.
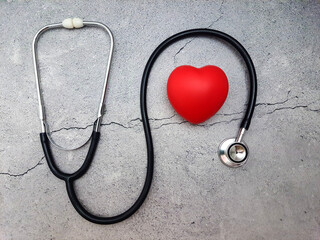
(71, 178)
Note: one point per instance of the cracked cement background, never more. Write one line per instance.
(193, 195)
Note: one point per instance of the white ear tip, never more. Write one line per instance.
(77, 23)
(67, 23)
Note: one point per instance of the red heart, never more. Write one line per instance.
(197, 93)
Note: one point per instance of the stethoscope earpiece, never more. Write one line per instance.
(233, 152)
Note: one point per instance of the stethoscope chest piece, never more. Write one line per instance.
(233, 153)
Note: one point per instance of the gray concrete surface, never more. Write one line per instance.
(193, 196)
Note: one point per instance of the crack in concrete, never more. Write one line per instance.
(225, 121)
(171, 123)
(176, 54)
(113, 123)
(71, 128)
(277, 103)
(129, 126)
(221, 14)
(198, 125)
(23, 173)
(152, 119)
(294, 107)
(288, 98)
(160, 119)
(230, 114)
(178, 123)
(263, 104)
(289, 107)
(210, 25)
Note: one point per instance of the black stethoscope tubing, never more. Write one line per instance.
(70, 178)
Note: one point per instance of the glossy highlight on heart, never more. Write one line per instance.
(197, 93)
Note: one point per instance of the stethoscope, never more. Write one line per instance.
(233, 152)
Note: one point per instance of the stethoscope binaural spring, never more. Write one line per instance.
(233, 152)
